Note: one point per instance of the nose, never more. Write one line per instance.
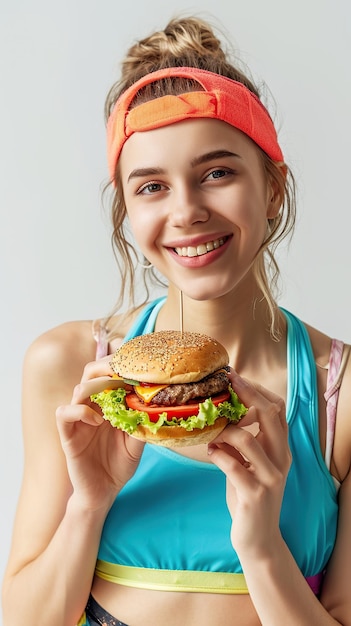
(187, 207)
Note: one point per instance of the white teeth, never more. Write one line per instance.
(203, 248)
(191, 251)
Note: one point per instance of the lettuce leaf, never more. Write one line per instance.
(115, 410)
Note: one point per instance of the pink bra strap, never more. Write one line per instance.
(100, 336)
(337, 361)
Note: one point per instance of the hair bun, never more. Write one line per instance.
(183, 42)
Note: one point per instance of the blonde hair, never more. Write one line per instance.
(191, 42)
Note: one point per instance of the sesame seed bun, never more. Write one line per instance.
(169, 357)
(195, 389)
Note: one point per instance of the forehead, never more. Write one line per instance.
(184, 141)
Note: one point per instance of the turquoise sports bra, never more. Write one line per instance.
(169, 528)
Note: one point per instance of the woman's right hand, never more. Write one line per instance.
(100, 458)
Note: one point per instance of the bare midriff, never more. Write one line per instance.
(141, 606)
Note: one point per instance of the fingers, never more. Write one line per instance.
(78, 413)
(271, 418)
(87, 388)
(97, 376)
(134, 446)
(270, 406)
(236, 449)
(264, 450)
(98, 368)
(76, 425)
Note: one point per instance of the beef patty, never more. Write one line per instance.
(184, 392)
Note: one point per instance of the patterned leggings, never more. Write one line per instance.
(97, 616)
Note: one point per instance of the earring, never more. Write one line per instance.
(146, 266)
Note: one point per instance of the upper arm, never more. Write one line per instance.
(336, 589)
(52, 367)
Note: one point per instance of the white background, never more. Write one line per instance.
(58, 60)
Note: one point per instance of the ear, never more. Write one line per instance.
(274, 199)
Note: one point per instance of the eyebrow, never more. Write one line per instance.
(145, 171)
(203, 158)
(215, 154)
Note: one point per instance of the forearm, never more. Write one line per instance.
(280, 593)
(54, 587)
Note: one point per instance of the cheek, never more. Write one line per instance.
(249, 217)
(250, 210)
(144, 229)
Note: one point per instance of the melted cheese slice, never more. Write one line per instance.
(147, 393)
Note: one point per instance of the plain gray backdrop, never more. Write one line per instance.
(58, 60)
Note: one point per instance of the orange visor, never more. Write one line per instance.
(222, 99)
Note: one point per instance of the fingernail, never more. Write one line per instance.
(98, 418)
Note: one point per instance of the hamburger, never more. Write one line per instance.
(174, 389)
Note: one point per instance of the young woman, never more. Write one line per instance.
(255, 527)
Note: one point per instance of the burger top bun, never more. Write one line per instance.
(169, 357)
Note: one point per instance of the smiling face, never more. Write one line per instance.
(198, 201)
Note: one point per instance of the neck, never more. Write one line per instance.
(239, 321)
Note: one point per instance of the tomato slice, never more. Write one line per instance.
(181, 411)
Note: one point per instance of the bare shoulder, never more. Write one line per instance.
(63, 350)
(55, 361)
(58, 356)
(321, 344)
(53, 365)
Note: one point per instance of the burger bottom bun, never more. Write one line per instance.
(177, 437)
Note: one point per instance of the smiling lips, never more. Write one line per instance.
(204, 248)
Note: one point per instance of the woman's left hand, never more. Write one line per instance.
(256, 467)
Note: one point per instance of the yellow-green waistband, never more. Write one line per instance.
(172, 580)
